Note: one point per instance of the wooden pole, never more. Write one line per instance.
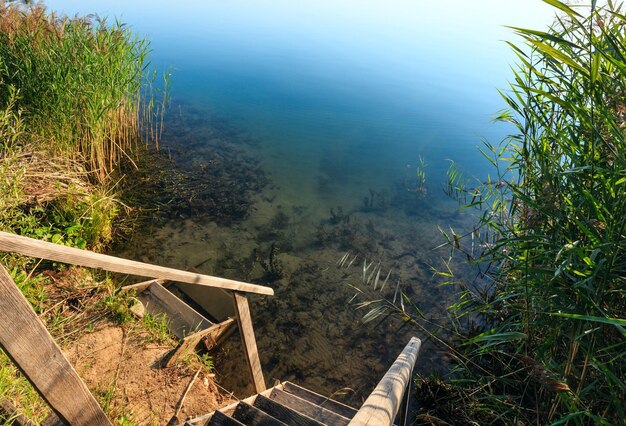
(58, 253)
(25, 339)
(381, 407)
(249, 342)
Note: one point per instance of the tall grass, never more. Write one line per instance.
(541, 335)
(79, 83)
(551, 344)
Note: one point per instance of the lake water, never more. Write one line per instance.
(316, 114)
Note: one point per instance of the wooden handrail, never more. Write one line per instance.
(25, 339)
(381, 407)
(59, 253)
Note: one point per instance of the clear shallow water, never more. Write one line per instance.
(331, 100)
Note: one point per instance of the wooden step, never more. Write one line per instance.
(229, 409)
(282, 413)
(183, 321)
(317, 399)
(252, 416)
(221, 419)
(309, 409)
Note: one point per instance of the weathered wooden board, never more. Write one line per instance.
(252, 416)
(322, 401)
(139, 287)
(381, 407)
(191, 342)
(282, 413)
(221, 419)
(217, 302)
(249, 341)
(59, 253)
(229, 409)
(313, 411)
(25, 339)
(183, 319)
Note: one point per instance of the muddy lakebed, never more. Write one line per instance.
(218, 208)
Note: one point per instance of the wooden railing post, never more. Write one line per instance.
(381, 407)
(248, 340)
(25, 339)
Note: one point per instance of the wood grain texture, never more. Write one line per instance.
(229, 409)
(249, 341)
(182, 319)
(282, 413)
(28, 343)
(381, 407)
(221, 419)
(313, 411)
(252, 416)
(58, 253)
(190, 343)
(322, 401)
(139, 287)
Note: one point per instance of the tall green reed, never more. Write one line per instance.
(540, 335)
(552, 227)
(80, 83)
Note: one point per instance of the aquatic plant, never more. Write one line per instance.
(376, 201)
(272, 266)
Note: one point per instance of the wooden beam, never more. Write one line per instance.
(25, 339)
(190, 343)
(58, 253)
(248, 340)
(381, 407)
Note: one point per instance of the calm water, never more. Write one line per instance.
(333, 102)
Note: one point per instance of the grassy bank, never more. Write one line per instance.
(76, 107)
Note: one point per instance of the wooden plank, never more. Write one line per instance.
(10, 415)
(322, 401)
(313, 411)
(382, 406)
(221, 419)
(216, 302)
(282, 413)
(252, 416)
(229, 409)
(58, 253)
(139, 287)
(190, 343)
(248, 340)
(183, 320)
(24, 338)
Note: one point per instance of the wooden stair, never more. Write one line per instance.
(283, 405)
(192, 328)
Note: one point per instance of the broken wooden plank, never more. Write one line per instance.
(58, 253)
(25, 339)
(381, 407)
(190, 343)
(249, 341)
(182, 319)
